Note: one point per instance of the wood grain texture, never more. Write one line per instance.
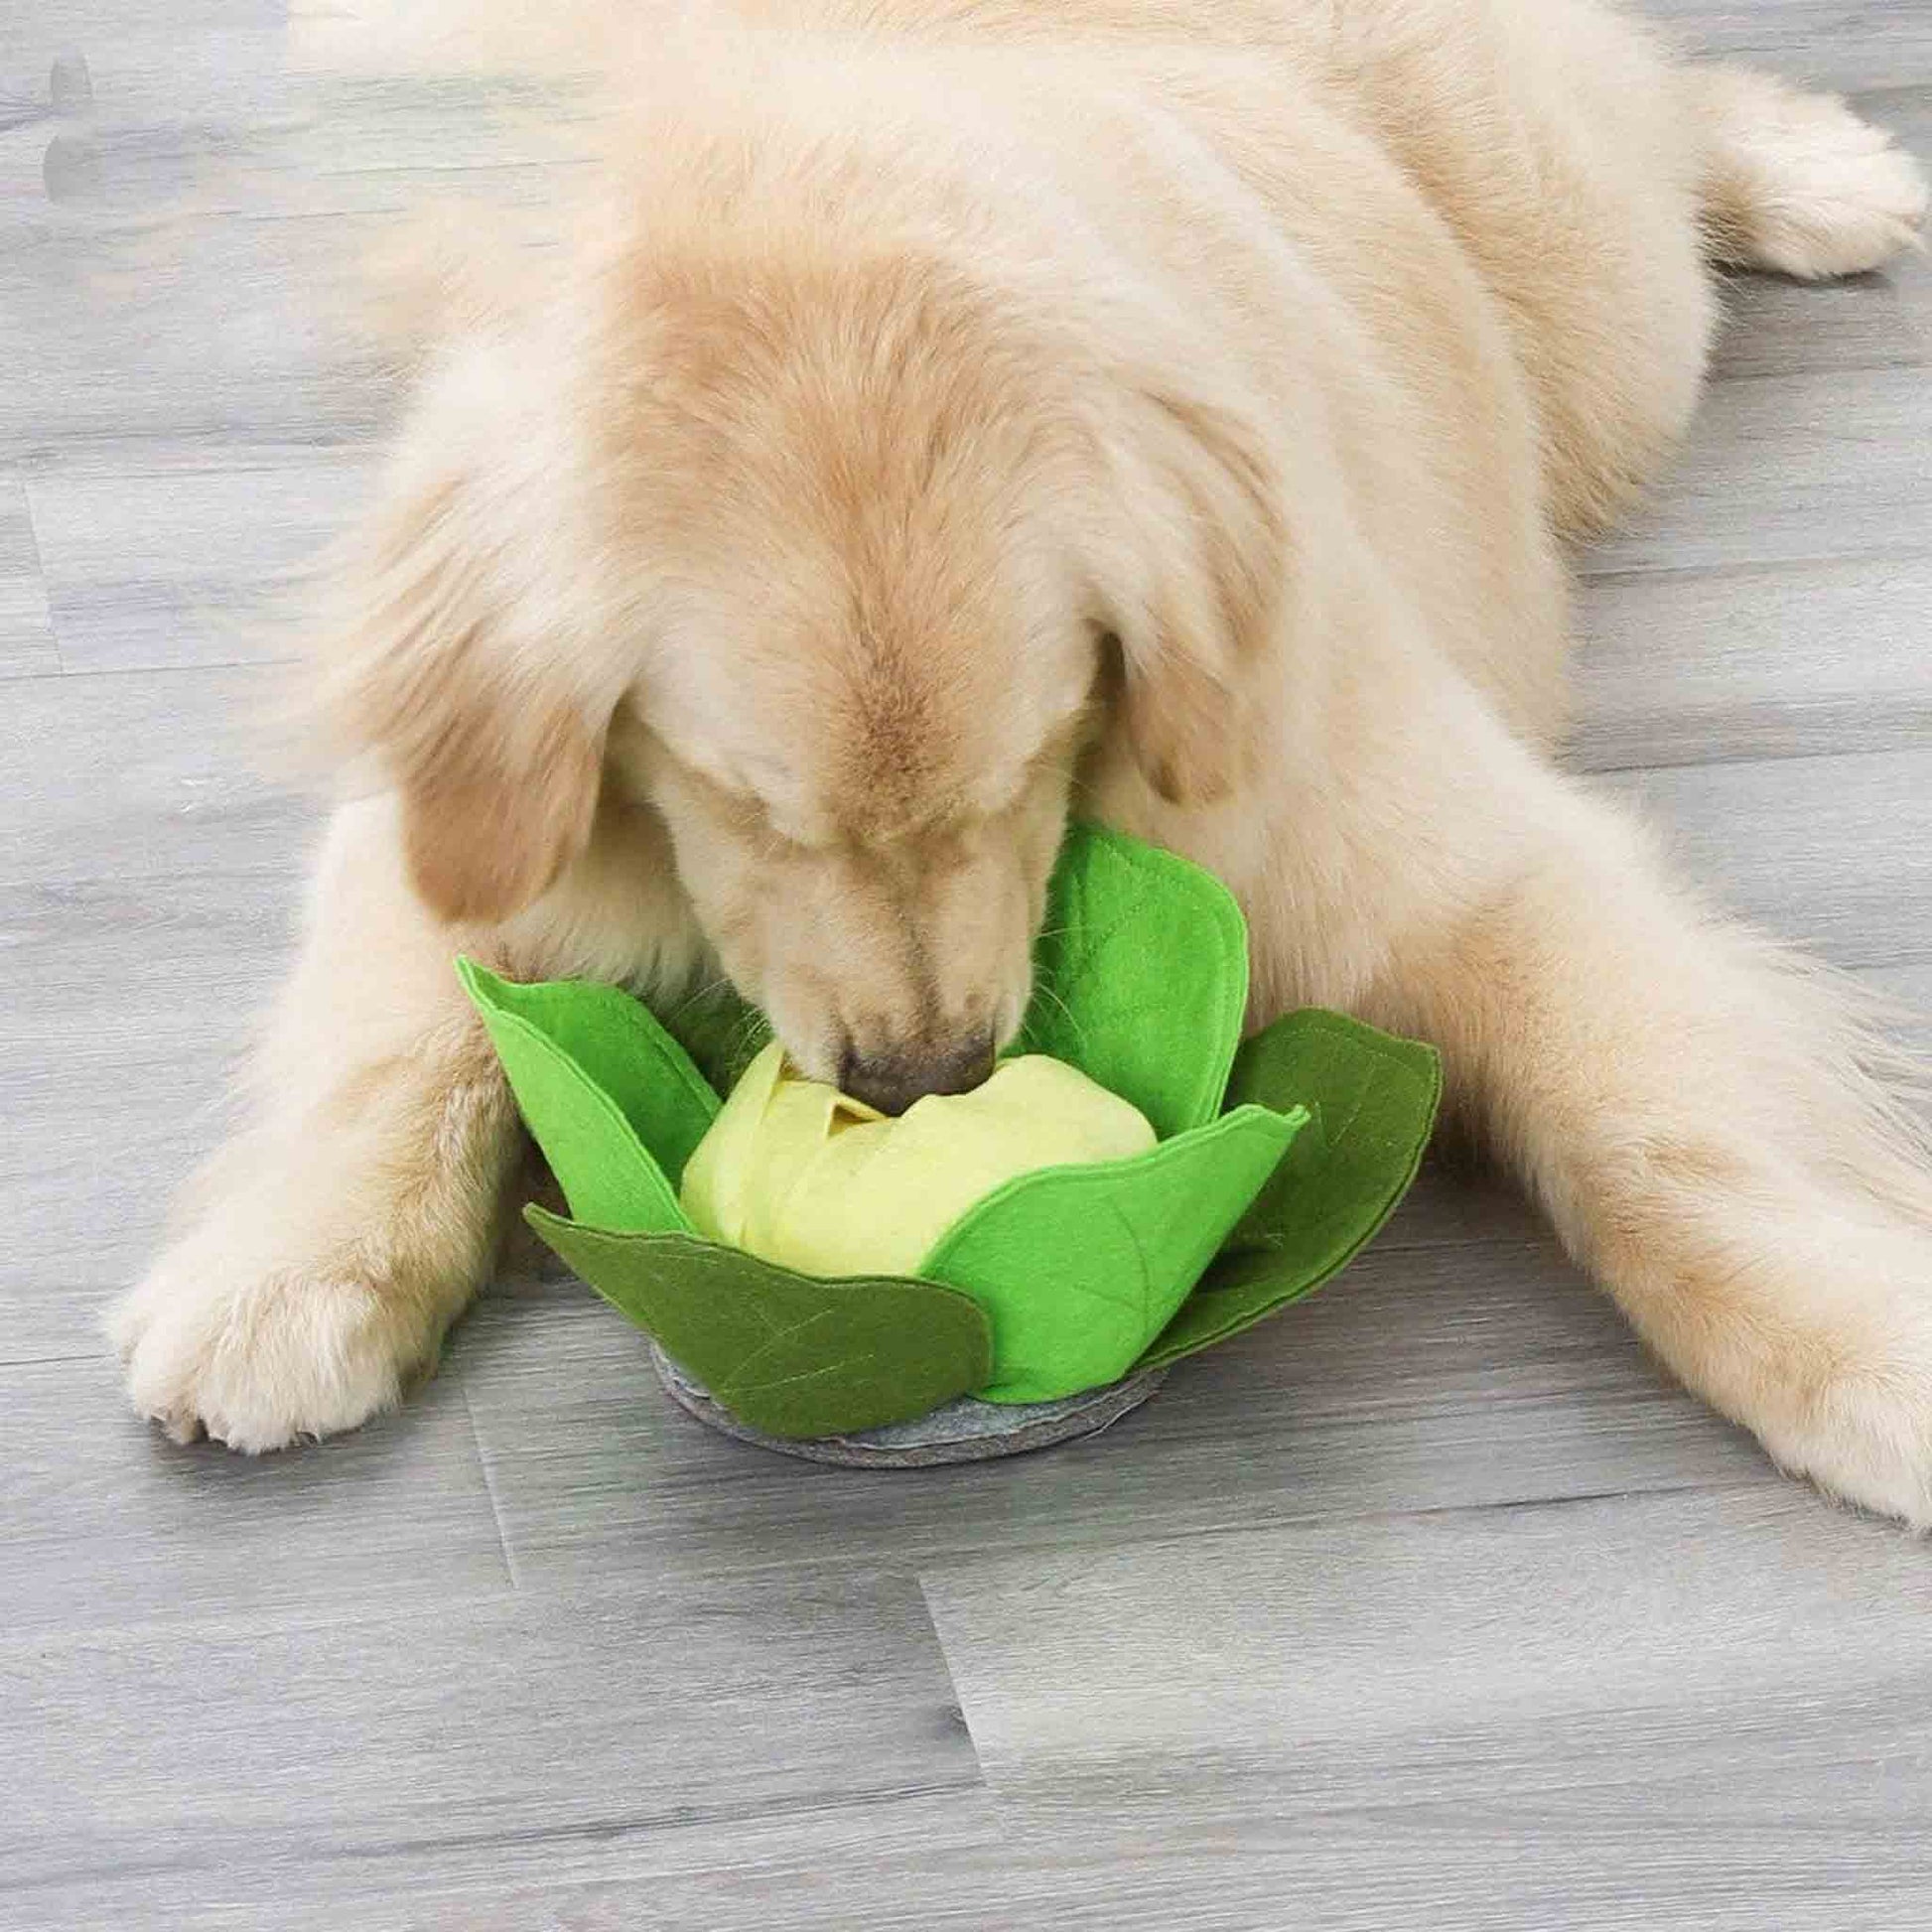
(167, 762)
(1835, 853)
(150, 570)
(1846, 44)
(1775, 327)
(933, 1858)
(358, 1755)
(1242, 1652)
(1459, 1363)
(148, 880)
(110, 1529)
(1826, 464)
(1710, 666)
(1430, 1605)
(1659, 1711)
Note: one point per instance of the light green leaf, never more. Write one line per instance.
(1141, 977)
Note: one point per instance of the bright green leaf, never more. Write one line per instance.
(1079, 1269)
(617, 1138)
(1141, 977)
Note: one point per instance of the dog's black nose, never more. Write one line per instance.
(893, 1080)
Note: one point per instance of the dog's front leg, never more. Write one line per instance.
(326, 1248)
(1697, 1110)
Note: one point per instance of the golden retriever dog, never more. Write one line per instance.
(947, 414)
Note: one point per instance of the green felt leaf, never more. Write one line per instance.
(1374, 1099)
(1142, 970)
(787, 1353)
(1081, 1268)
(613, 1100)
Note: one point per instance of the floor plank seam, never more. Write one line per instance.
(1610, 576)
(71, 674)
(288, 1619)
(489, 1489)
(102, 672)
(39, 561)
(1782, 760)
(1733, 378)
(1584, 767)
(1331, 1519)
(952, 1678)
(592, 1831)
(1871, 554)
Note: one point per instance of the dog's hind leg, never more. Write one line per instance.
(1798, 183)
(1697, 1111)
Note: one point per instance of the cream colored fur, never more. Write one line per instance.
(944, 414)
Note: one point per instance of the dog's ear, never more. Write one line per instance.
(494, 807)
(448, 661)
(1197, 591)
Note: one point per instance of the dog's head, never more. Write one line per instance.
(839, 568)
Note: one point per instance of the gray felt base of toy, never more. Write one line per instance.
(966, 1430)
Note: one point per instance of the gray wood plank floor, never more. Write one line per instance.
(1429, 1605)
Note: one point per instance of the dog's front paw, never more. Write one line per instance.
(260, 1359)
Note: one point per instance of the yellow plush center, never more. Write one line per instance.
(802, 1174)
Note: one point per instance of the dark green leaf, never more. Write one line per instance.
(1374, 1098)
(790, 1354)
(722, 1032)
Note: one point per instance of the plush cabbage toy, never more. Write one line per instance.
(1132, 1186)
(805, 1176)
